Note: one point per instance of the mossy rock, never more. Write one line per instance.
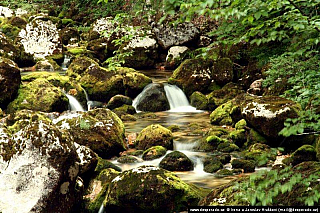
(135, 152)
(7, 144)
(225, 158)
(124, 110)
(254, 137)
(215, 140)
(10, 80)
(221, 173)
(304, 153)
(99, 48)
(39, 95)
(99, 129)
(212, 164)
(69, 35)
(154, 153)
(79, 66)
(127, 159)
(221, 115)
(119, 100)
(105, 164)
(241, 124)
(199, 100)
(238, 137)
(267, 115)
(261, 154)
(20, 119)
(318, 147)
(223, 95)
(154, 135)
(174, 128)
(128, 117)
(227, 147)
(150, 189)
(246, 165)
(176, 161)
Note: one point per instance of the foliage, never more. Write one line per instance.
(263, 188)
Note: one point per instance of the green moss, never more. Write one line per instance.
(174, 128)
(176, 161)
(154, 153)
(304, 153)
(77, 51)
(227, 147)
(199, 100)
(105, 164)
(223, 173)
(127, 159)
(239, 137)
(241, 124)
(221, 115)
(124, 109)
(212, 164)
(246, 165)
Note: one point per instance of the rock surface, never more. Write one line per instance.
(176, 161)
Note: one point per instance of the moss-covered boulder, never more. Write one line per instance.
(212, 164)
(246, 165)
(199, 100)
(153, 99)
(124, 110)
(40, 171)
(10, 80)
(99, 129)
(119, 100)
(227, 147)
(261, 154)
(154, 153)
(39, 95)
(200, 74)
(225, 158)
(176, 161)
(304, 153)
(150, 189)
(223, 95)
(127, 159)
(69, 35)
(222, 114)
(99, 48)
(79, 65)
(154, 135)
(267, 114)
(239, 137)
(175, 56)
(221, 173)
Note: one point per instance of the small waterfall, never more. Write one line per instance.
(138, 98)
(177, 99)
(74, 104)
(101, 210)
(65, 63)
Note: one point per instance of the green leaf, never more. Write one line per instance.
(250, 19)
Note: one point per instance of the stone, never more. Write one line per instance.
(267, 114)
(127, 159)
(135, 190)
(154, 135)
(6, 12)
(69, 35)
(119, 100)
(10, 80)
(221, 115)
(152, 99)
(176, 161)
(154, 153)
(41, 38)
(212, 164)
(175, 56)
(256, 87)
(100, 129)
(246, 165)
(304, 153)
(181, 34)
(41, 171)
(199, 100)
(79, 65)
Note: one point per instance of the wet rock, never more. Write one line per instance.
(105, 164)
(69, 35)
(99, 48)
(152, 99)
(168, 36)
(154, 135)
(124, 110)
(225, 158)
(134, 190)
(175, 56)
(10, 80)
(127, 159)
(246, 165)
(41, 172)
(212, 164)
(256, 87)
(199, 101)
(119, 100)
(87, 159)
(40, 95)
(154, 153)
(261, 154)
(176, 161)
(304, 153)
(267, 114)
(79, 66)
(100, 129)
(227, 147)
(222, 114)
(41, 38)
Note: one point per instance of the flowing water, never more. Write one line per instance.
(74, 104)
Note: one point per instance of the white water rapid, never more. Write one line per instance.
(74, 104)
(65, 63)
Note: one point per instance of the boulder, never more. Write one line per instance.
(10, 80)
(69, 35)
(182, 34)
(39, 95)
(261, 154)
(154, 135)
(124, 110)
(100, 129)
(79, 65)
(202, 74)
(154, 153)
(136, 190)
(39, 173)
(152, 99)
(119, 100)
(222, 114)
(267, 114)
(199, 100)
(175, 56)
(176, 161)
(304, 153)
(246, 165)
(41, 38)
(212, 164)
(127, 159)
